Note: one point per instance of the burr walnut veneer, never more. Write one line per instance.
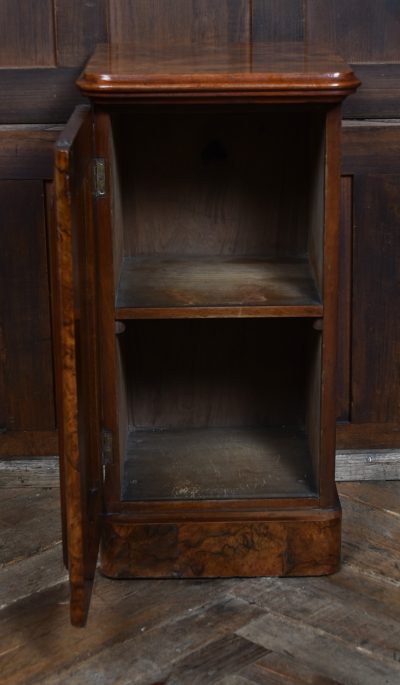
(197, 261)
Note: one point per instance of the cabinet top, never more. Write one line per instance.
(244, 71)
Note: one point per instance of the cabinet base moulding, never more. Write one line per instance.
(308, 546)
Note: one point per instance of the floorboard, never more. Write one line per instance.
(339, 630)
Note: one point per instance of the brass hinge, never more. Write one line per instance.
(106, 447)
(99, 177)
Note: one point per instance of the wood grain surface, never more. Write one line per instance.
(153, 23)
(26, 383)
(342, 628)
(217, 464)
(222, 549)
(43, 51)
(218, 373)
(273, 70)
(248, 284)
(213, 181)
(78, 392)
(29, 42)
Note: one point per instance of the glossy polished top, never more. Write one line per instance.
(267, 70)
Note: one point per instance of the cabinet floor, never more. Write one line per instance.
(221, 463)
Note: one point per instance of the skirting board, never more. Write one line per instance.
(367, 465)
(351, 465)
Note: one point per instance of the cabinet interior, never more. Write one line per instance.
(219, 408)
(218, 211)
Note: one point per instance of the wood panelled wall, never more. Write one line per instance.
(42, 49)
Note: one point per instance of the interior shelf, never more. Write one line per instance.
(221, 463)
(156, 287)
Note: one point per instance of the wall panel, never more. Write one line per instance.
(371, 155)
(79, 27)
(367, 34)
(26, 385)
(376, 300)
(38, 96)
(26, 33)
(155, 22)
(43, 47)
(363, 31)
(26, 152)
(278, 20)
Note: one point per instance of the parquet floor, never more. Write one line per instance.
(267, 631)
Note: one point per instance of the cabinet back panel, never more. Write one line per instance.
(216, 373)
(224, 183)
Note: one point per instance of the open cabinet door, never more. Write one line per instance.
(77, 358)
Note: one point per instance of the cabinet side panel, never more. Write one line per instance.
(109, 255)
(122, 407)
(317, 206)
(345, 307)
(313, 400)
(111, 128)
(330, 287)
(26, 382)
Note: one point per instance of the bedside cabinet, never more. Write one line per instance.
(196, 262)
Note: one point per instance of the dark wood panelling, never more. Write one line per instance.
(376, 297)
(366, 31)
(27, 151)
(28, 443)
(154, 22)
(26, 357)
(371, 147)
(27, 36)
(37, 96)
(364, 436)
(367, 34)
(62, 33)
(278, 20)
(379, 95)
(371, 153)
(79, 27)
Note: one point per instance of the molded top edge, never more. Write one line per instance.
(279, 68)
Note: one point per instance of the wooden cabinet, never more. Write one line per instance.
(198, 210)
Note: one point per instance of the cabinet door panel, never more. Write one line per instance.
(77, 365)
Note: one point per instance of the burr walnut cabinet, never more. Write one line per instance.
(196, 255)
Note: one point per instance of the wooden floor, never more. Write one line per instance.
(340, 629)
